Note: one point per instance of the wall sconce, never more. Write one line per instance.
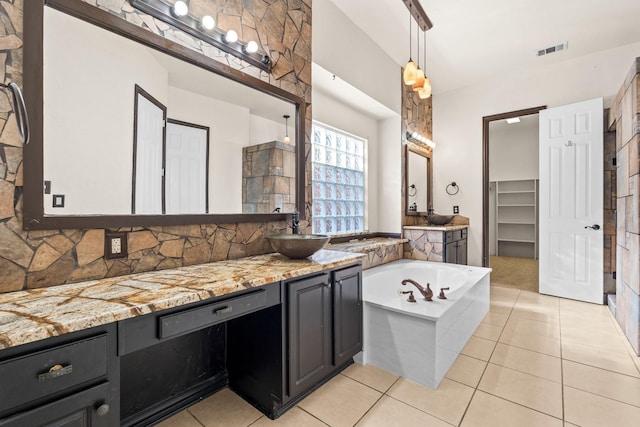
(204, 29)
(416, 137)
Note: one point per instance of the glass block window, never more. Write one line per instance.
(338, 168)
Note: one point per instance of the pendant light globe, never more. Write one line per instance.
(410, 73)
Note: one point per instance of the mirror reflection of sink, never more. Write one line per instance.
(298, 246)
(436, 219)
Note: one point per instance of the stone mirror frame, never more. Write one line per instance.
(34, 212)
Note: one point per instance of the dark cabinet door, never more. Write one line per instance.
(451, 252)
(309, 314)
(85, 409)
(461, 251)
(347, 312)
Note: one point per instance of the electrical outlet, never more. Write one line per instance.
(115, 244)
(456, 209)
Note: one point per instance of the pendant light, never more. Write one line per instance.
(410, 70)
(286, 129)
(419, 84)
(425, 91)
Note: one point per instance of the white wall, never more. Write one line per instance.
(344, 49)
(513, 151)
(390, 175)
(340, 47)
(457, 121)
(334, 113)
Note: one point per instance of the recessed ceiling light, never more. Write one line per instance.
(513, 120)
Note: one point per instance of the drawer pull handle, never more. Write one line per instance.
(340, 282)
(55, 372)
(223, 310)
(102, 410)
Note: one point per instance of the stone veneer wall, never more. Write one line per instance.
(625, 115)
(416, 117)
(45, 258)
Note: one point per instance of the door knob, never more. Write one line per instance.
(102, 410)
(593, 227)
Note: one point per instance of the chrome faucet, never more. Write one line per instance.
(426, 293)
(295, 221)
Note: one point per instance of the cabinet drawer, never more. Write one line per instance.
(210, 314)
(449, 236)
(463, 233)
(37, 375)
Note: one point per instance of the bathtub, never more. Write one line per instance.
(421, 340)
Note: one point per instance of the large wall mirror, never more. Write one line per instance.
(131, 129)
(418, 181)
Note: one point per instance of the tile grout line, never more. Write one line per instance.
(310, 414)
(475, 389)
(193, 416)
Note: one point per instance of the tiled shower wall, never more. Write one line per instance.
(625, 116)
(45, 258)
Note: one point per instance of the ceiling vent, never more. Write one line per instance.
(552, 49)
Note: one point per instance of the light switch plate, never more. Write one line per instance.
(58, 200)
(115, 244)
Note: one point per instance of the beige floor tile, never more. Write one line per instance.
(538, 299)
(536, 312)
(498, 292)
(225, 408)
(523, 326)
(499, 319)
(603, 383)
(535, 342)
(371, 375)
(491, 411)
(340, 402)
(479, 348)
(589, 410)
(294, 417)
(498, 306)
(389, 412)
(599, 358)
(448, 402)
(524, 389)
(527, 361)
(488, 331)
(467, 370)
(608, 341)
(181, 419)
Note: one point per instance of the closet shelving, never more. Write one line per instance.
(517, 218)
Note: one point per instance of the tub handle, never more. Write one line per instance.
(442, 295)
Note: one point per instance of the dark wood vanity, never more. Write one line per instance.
(272, 344)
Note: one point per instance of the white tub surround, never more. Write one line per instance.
(421, 340)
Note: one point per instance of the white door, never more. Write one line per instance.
(186, 169)
(150, 116)
(571, 192)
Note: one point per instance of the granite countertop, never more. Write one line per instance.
(32, 315)
(366, 244)
(436, 227)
